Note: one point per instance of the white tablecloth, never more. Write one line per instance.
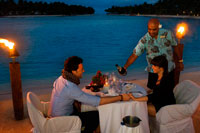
(111, 115)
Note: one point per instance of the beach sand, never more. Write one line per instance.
(8, 124)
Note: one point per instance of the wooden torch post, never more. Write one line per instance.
(181, 30)
(176, 60)
(16, 85)
(15, 78)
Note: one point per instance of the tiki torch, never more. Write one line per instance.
(181, 31)
(15, 78)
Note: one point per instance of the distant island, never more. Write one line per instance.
(162, 7)
(10, 8)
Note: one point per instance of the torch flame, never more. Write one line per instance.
(181, 30)
(7, 43)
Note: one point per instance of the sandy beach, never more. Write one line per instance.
(8, 124)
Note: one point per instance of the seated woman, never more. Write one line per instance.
(162, 86)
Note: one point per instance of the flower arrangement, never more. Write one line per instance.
(98, 79)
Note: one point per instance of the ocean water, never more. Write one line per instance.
(101, 40)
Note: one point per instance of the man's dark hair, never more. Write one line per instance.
(161, 61)
(71, 64)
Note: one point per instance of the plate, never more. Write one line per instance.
(137, 94)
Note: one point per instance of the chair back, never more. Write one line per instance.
(35, 111)
(186, 92)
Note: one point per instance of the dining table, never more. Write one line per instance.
(111, 115)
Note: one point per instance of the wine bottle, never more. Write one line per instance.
(122, 71)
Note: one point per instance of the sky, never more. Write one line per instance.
(100, 5)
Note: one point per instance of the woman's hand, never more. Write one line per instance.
(149, 91)
(142, 99)
(132, 97)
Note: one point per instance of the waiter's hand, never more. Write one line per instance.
(125, 97)
(180, 66)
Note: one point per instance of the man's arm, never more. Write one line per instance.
(106, 100)
(130, 60)
(179, 56)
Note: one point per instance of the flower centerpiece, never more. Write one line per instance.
(97, 82)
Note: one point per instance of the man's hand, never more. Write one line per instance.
(125, 97)
(181, 66)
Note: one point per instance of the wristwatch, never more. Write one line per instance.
(121, 98)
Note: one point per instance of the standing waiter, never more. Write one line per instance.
(156, 42)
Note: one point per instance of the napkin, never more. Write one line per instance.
(111, 92)
(136, 90)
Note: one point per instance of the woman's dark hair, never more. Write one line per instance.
(71, 64)
(161, 61)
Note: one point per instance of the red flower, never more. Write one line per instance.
(98, 79)
(98, 72)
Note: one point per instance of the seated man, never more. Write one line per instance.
(66, 91)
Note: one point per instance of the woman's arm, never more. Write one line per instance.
(142, 99)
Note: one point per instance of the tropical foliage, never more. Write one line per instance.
(9, 7)
(162, 7)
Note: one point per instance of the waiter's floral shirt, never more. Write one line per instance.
(155, 47)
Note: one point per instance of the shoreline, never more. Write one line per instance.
(170, 16)
(142, 15)
(156, 15)
(44, 86)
